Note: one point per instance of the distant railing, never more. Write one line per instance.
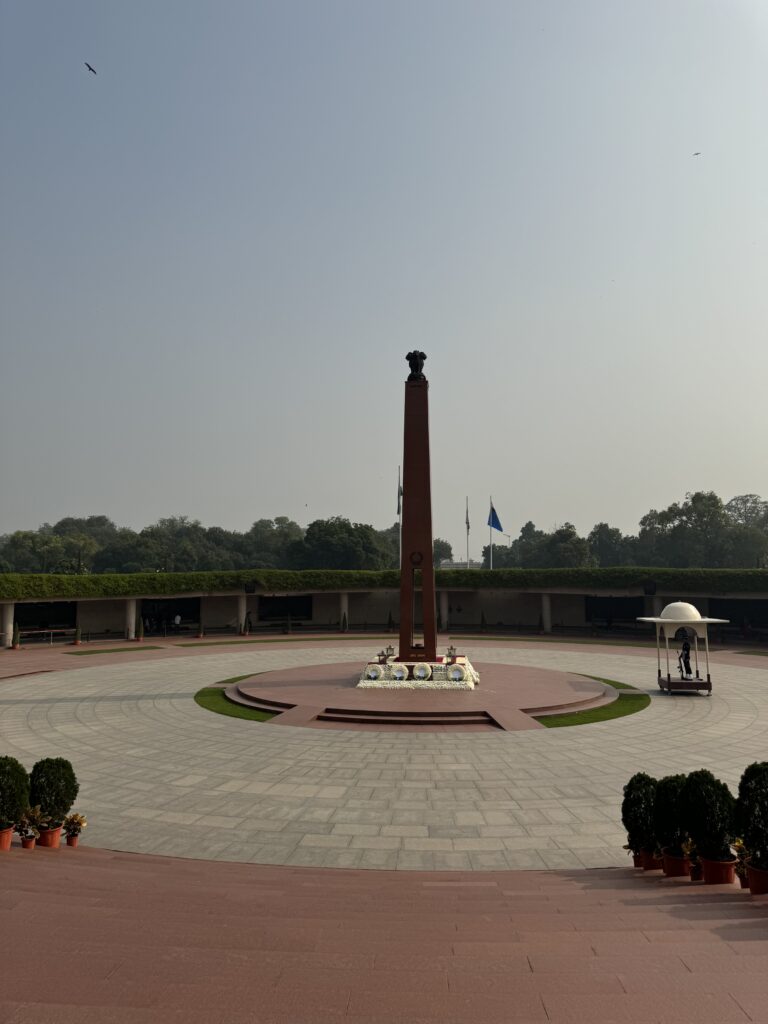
(46, 636)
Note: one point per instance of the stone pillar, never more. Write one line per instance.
(130, 618)
(343, 610)
(242, 611)
(7, 623)
(546, 613)
(444, 610)
(416, 565)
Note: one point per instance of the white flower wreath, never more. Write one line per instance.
(457, 673)
(422, 672)
(399, 672)
(374, 671)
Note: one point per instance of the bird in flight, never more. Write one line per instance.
(92, 70)
(697, 154)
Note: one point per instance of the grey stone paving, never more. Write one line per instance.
(161, 775)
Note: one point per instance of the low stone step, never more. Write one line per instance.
(363, 718)
(384, 713)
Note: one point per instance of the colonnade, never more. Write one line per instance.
(132, 605)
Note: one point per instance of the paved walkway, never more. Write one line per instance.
(161, 775)
(90, 937)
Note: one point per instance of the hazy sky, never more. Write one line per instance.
(217, 251)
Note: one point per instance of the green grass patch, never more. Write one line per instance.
(609, 682)
(625, 704)
(212, 699)
(114, 650)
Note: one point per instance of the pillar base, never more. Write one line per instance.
(443, 674)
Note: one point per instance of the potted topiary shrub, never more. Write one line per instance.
(752, 819)
(78, 638)
(73, 826)
(637, 817)
(54, 786)
(139, 631)
(668, 825)
(14, 797)
(16, 638)
(708, 810)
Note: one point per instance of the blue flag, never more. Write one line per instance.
(493, 520)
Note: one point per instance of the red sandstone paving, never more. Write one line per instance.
(34, 659)
(505, 694)
(139, 940)
(58, 657)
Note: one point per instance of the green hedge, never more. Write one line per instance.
(29, 586)
(682, 581)
(18, 586)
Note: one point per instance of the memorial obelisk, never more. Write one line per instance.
(417, 572)
(416, 665)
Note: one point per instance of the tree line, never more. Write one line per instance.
(94, 544)
(702, 531)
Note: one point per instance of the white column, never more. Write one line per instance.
(444, 610)
(343, 610)
(666, 647)
(546, 613)
(242, 611)
(130, 618)
(7, 623)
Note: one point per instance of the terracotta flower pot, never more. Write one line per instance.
(6, 834)
(718, 872)
(72, 840)
(758, 880)
(743, 881)
(50, 838)
(637, 860)
(695, 871)
(651, 862)
(27, 842)
(675, 867)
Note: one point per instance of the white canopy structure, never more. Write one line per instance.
(675, 616)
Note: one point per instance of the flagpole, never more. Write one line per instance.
(467, 522)
(400, 519)
(490, 533)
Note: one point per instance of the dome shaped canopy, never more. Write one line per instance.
(680, 611)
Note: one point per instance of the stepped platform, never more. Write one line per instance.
(91, 936)
(508, 698)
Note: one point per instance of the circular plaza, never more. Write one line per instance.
(161, 775)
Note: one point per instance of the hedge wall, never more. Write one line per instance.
(683, 581)
(29, 586)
